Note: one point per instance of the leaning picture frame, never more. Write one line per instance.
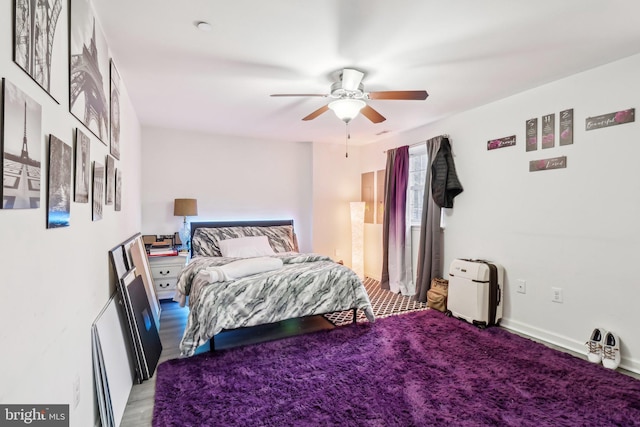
(136, 254)
(119, 262)
(136, 343)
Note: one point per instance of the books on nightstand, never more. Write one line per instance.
(162, 249)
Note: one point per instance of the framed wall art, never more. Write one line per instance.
(532, 134)
(566, 127)
(98, 191)
(88, 71)
(610, 119)
(59, 194)
(548, 131)
(118, 199)
(380, 178)
(82, 168)
(21, 146)
(115, 112)
(39, 42)
(366, 196)
(110, 180)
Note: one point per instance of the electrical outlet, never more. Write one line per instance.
(557, 295)
(522, 286)
(76, 391)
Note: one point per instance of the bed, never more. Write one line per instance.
(250, 273)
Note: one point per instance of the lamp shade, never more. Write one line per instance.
(185, 207)
(347, 109)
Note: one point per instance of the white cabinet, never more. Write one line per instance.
(165, 271)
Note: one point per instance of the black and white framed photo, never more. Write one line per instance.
(39, 46)
(111, 178)
(118, 261)
(115, 112)
(98, 191)
(59, 194)
(82, 168)
(21, 146)
(88, 71)
(118, 200)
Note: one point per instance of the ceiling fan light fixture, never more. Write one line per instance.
(347, 109)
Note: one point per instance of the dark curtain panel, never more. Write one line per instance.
(396, 252)
(430, 251)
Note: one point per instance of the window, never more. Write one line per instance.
(417, 175)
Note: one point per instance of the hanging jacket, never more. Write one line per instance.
(445, 184)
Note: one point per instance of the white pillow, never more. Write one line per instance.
(246, 247)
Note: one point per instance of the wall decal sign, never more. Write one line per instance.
(532, 134)
(566, 127)
(546, 164)
(611, 119)
(548, 131)
(507, 141)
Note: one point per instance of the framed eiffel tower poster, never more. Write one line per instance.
(21, 147)
(88, 71)
(39, 46)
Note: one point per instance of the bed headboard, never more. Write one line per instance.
(206, 235)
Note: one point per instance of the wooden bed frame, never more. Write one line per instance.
(248, 223)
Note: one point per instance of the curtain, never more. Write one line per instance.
(430, 251)
(396, 251)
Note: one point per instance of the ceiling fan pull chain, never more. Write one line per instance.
(347, 137)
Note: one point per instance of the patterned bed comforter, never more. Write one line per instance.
(307, 284)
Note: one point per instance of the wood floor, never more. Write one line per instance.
(173, 319)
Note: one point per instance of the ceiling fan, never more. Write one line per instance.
(349, 98)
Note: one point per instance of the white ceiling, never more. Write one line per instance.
(464, 53)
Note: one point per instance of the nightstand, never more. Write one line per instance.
(165, 271)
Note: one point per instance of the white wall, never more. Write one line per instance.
(336, 183)
(575, 228)
(55, 282)
(232, 178)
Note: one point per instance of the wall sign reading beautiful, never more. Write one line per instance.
(611, 119)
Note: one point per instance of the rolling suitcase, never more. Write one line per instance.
(475, 291)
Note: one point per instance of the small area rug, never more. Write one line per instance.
(416, 369)
(383, 302)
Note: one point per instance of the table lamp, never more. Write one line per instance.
(185, 208)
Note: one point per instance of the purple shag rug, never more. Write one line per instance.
(416, 369)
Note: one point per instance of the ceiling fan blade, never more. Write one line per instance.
(299, 94)
(372, 114)
(400, 94)
(351, 79)
(316, 113)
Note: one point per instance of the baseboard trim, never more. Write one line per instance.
(571, 345)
